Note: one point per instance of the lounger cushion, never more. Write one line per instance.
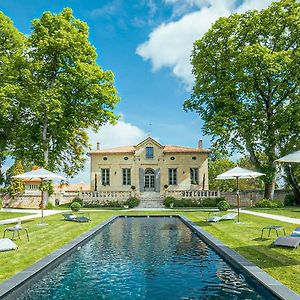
(287, 241)
(7, 244)
(295, 233)
(214, 219)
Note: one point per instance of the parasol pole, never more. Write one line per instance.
(238, 197)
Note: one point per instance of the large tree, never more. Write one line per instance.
(11, 50)
(247, 83)
(66, 92)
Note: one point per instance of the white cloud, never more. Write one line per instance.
(170, 44)
(109, 136)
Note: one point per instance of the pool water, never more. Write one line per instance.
(145, 258)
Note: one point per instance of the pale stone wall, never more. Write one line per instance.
(116, 162)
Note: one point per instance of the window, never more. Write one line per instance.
(194, 175)
(172, 176)
(194, 158)
(105, 176)
(104, 158)
(125, 158)
(149, 152)
(172, 158)
(126, 176)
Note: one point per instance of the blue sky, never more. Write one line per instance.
(147, 45)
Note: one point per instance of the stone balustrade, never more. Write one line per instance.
(100, 195)
(192, 194)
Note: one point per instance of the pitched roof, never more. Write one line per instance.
(124, 149)
(72, 187)
(166, 149)
(180, 149)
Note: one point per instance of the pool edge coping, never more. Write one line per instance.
(269, 282)
(14, 284)
(20, 280)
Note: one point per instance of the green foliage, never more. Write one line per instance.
(289, 200)
(168, 201)
(247, 77)
(217, 167)
(65, 92)
(78, 200)
(49, 206)
(47, 186)
(75, 206)
(11, 49)
(212, 202)
(132, 202)
(17, 185)
(107, 203)
(266, 203)
(223, 205)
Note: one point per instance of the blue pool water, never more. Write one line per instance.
(145, 258)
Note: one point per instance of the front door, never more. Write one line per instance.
(149, 180)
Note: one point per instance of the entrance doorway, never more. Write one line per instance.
(149, 180)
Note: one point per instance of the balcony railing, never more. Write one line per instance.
(118, 195)
(192, 194)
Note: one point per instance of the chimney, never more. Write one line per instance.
(98, 146)
(200, 144)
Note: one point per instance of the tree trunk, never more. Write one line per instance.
(269, 190)
(291, 179)
(45, 143)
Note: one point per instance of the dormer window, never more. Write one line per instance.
(149, 152)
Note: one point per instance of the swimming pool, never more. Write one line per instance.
(145, 258)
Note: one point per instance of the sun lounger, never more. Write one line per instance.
(74, 218)
(7, 244)
(287, 241)
(229, 216)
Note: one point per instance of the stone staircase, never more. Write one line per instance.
(151, 200)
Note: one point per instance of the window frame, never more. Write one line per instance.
(151, 154)
(194, 175)
(105, 176)
(126, 176)
(172, 172)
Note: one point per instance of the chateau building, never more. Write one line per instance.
(149, 167)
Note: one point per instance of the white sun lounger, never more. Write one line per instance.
(287, 241)
(229, 216)
(7, 244)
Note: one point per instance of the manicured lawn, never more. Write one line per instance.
(282, 264)
(292, 212)
(9, 215)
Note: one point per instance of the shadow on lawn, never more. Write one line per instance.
(267, 261)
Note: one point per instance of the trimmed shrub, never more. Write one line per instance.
(278, 203)
(75, 206)
(210, 202)
(168, 201)
(49, 206)
(223, 205)
(78, 200)
(132, 202)
(265, 203)
(289, 200)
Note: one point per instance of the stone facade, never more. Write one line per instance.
(149, 167)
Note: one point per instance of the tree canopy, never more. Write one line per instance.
(11, 48)
(64, 93)
(247, 79)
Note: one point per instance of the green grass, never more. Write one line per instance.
(9, 215)
(292, 212)
(282, 264)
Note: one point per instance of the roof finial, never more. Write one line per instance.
(149, 129)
